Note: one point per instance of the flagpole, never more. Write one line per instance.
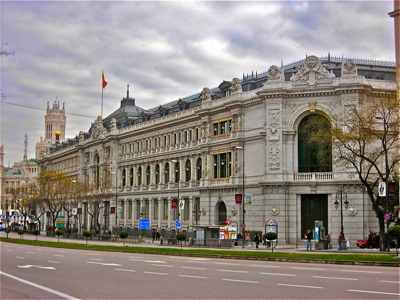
(102, 101)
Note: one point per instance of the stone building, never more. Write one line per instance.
(54, 128)
(251, 133)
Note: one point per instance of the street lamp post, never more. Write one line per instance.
(339, 196)
(243, 189)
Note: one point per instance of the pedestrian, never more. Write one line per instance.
(257, 240)
(341, 241)
(153, 234)
(309, 238)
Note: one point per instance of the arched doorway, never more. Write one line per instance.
(220, 213)
(314, 144)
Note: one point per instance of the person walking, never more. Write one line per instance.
(309, 238)
(257, 240)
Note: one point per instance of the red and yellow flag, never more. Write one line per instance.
(103, 80)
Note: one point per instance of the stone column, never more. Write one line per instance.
(169, 213)
(171, 172)
(193, 168)
(182, 171)
(160, 203)
(162, 177)
(133, 212)
(125, 212)
(152, 174)
(151, 210)
(191, 200)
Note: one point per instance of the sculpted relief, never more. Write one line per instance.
(311, 71)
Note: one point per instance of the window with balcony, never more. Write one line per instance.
(188, 170)
(198, 169)
(166, 172)
(157, 174)
(222, 165)
(223, 127)
(314, 144)
(177, 172)
(147, 175)
(139, 175)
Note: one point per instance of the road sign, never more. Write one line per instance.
(181, 204)
(74, 211)
(144, 224)
(178, 224)
(173, 203)
(382, 189)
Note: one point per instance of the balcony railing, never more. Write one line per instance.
(313, 176)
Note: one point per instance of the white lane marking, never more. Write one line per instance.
(264, 266)
(277, 274)
(159, 265)
(53, 261)
(192, 276)
(125, 270)
(389, 281)
(193, 268)
(232, 271)
(227, 264)
(372, 292)
(301, 286)
(30, 252)
(136, 257)
(308, 268)
(335, 278)
(103, 264)
(58, 255)
(35, 266)
(154, 261)
(41, 287)
(19, 257)
(155, 273)
(238, 280)
(97, 259)
(361, 271)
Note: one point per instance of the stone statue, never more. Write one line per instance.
(349, 69)
(236, 86)
(274, 73)
(205, 95)
(312, 71)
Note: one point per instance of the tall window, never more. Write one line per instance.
(222, 127)
(166, 172)
(222, 165)
(177, 172)
(165, 209)
(97, 170)
(139, 175)
(198, 169)
(131, 177)
(123, 177)
(148, 175)
(188, 170)
(314, 144)
(157, 175)
(129, 209)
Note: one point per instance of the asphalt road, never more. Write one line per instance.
(28, 272)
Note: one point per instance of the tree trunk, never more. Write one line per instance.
(382, 245)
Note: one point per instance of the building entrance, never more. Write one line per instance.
(313, 207)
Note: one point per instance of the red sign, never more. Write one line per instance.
(173, 203)
(238, 198)
(112, 210)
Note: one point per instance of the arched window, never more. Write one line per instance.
(166, 173)
(123, 177)
(188, 170)
(139, 176)
(314, 144)
(198, 169)
(148, 175)
(131, 177)
(157, 174)
(177, 172)
(220, 213)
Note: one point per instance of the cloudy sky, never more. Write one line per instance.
(166, 50)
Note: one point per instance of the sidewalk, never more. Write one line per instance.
(148, 243)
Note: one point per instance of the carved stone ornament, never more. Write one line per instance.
(274, 73)
(98, 130)
(236, 86)
(205, 95)
(275, 211)
(312, 71)
(349, 69)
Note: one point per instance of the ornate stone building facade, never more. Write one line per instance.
(200, 148)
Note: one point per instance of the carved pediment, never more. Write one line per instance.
(312, 71)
